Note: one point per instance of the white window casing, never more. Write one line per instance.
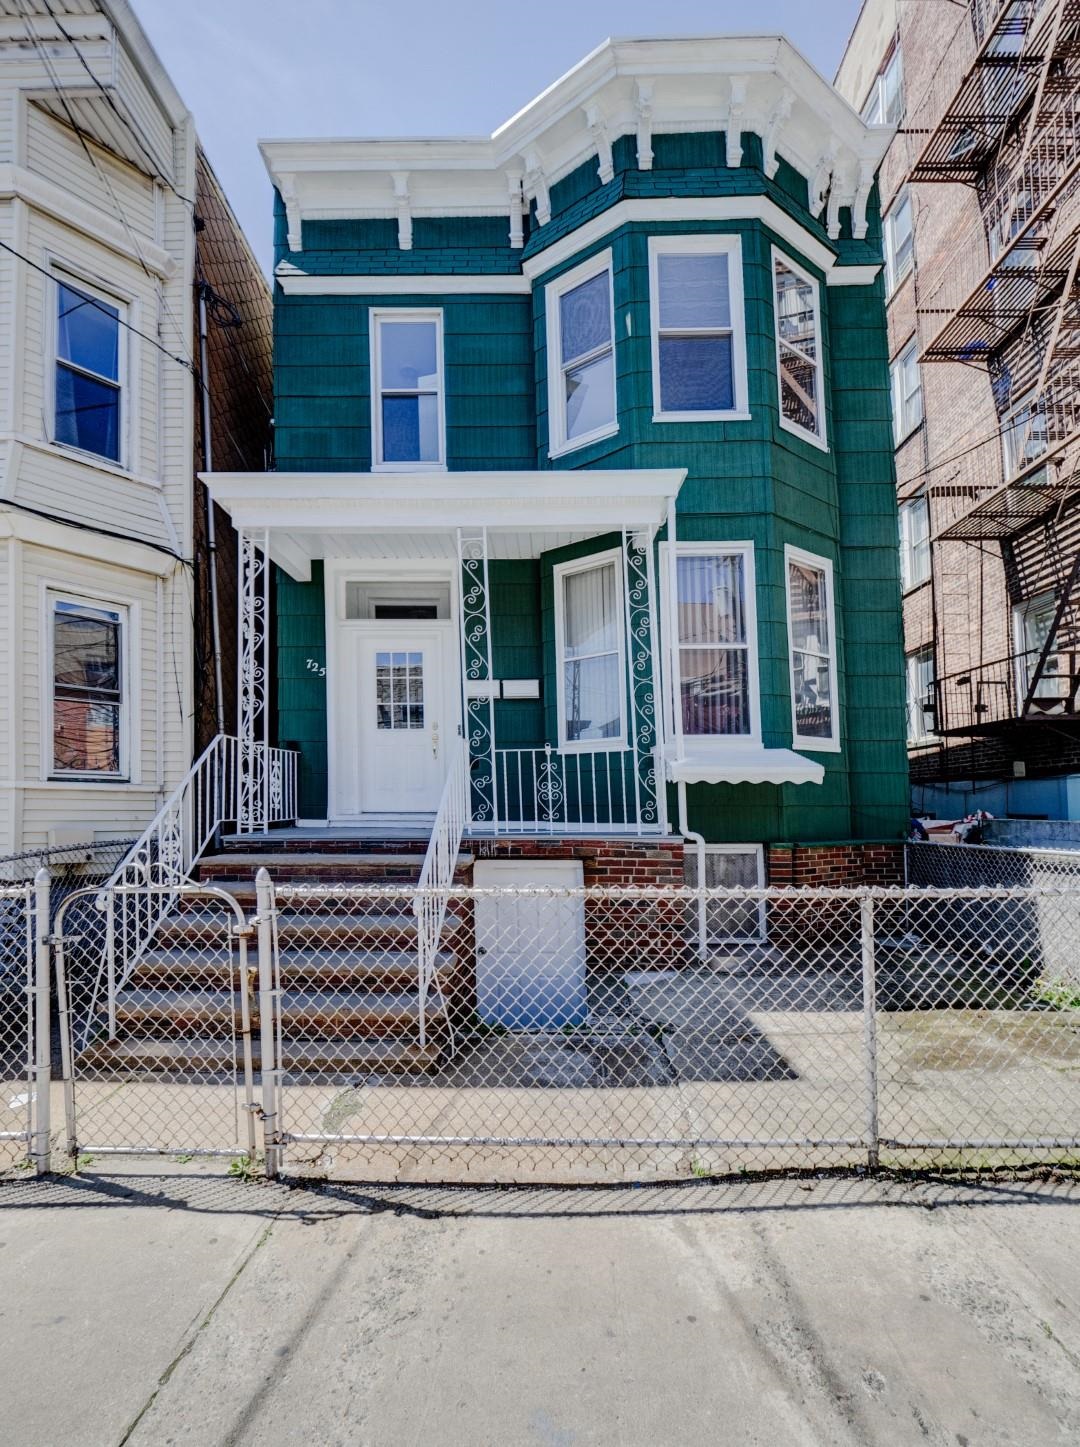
(731, 866)
(714, 691)
(590, 653)
(899, 241)
(914, 541)
(581, 370)
(800, 375)
(89, 722)
(907, 394)
(698, 329)
(89, 343)
(920, 696)
(408, 403)
(812, 652)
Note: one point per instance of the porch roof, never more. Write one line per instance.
(311, 515)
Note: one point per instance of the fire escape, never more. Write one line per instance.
(1012, 131)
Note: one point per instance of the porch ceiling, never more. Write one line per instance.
(416, 515)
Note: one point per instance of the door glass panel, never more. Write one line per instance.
(399, 691)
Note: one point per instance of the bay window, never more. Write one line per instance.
(589, 640)
(408, 409)
(715, 643)
(88, 647)
(581, 356)
(812, 645)
(698, 341)
(798, 351)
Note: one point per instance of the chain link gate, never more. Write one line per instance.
(24, 1024)
(155, 994)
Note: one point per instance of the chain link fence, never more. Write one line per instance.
(17, 1033)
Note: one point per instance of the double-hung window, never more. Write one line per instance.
(885, 104)
(906, 391)
(88, 649)
(408, 421)
(1023, 438)
(812, 644)
(581, 356)
(716, 641)
(591, 677)
(914, 541)
(920, 696)
(798, 351)
(89, 372)
(698, 341)
(899, 241)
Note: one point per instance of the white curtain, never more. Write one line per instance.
(592, 671)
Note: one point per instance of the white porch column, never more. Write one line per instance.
(478, 703)
(253, 724)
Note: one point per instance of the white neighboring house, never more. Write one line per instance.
(97, 168)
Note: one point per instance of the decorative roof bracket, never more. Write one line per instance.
(536, 186)
(780, 115)
(287, 187)
(733, 126)
(598, 129)
(404, 210)
(517, 210)
(862, 196)
(819, 182)
(643, 99)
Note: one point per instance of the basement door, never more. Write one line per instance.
(400, 727)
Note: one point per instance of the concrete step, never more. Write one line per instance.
(314, 1013)
(360, 868)
(177, 968)
(200, 927)
(202, 1056)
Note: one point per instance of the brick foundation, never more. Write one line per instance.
(610, 862)
(834, 866)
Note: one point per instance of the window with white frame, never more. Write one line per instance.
(1023, 438)
(914, 541)
(899, 241)
(1033, 622)
(920, 696)
(906, 391)
(798, 350)
(885, 103)
(729, 866)
(590, 672)
(812, 648)
(408, 421)
(716, 643)
(88, 652)
(581, 356)
(89, 371)
(698, 341)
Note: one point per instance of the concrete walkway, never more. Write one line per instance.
(193, 1310)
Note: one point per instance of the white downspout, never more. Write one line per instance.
(698, 842)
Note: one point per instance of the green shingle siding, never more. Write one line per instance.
(300, 689)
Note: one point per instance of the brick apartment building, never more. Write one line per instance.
(979, 196)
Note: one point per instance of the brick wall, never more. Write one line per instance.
(605, 861)
(834, 866)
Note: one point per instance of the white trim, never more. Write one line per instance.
(852, 275)
(130, 771)
(298, 283)
(376, 316)
(753, 765)
(819, 438)
(715, 244)
(558, 442)
(76, 278)
(831, 745)
(710, 746)
(923, 732)
(559, 572)
(64, 537)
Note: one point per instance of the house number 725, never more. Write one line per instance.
(314, 666)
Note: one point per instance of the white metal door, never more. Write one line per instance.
(530, 948)
(401, 724)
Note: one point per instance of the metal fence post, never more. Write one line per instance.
(268, 997)
(869, 989)
(42, 1024)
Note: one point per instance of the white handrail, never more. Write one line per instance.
(437, 874)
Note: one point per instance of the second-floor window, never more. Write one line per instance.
(1023, 438)
(914, 541)
(899, 241)
(885, 103)
(408, 412)
(798, 350)
(89, 366)
(812, 643)
(906, 391)
(581, 356)
(698, 342)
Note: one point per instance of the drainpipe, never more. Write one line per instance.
(698, 842)
(211, 531)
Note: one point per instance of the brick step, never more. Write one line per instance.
(373, 868)
(315, 1013)
(203, 1056)
(169, 969)
(317, 844)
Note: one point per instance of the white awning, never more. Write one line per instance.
(739, 765)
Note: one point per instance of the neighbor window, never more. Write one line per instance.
(906, 391)
(89, 383)
(88, 687)
(589, 641)
(698, 346)
(885, 104)
(716, 642)
(798, 350)
(581, 356)
(899, 241)
(914, 541)
(812, 644)
(1023, 439)
(920, 696)
(407, 390)
(1033, 623)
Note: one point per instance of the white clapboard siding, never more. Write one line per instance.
(54, 151)
(67, 487)
(148, 119)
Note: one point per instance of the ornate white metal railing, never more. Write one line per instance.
(437, 875)
(543, 791)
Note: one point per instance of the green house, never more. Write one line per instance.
(583, 523)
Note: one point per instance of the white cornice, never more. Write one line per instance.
(626, 87)
(853, 275)
(299, 283)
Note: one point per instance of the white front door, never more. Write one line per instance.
(399, 727)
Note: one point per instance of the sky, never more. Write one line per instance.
(254, 69)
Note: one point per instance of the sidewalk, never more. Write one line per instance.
(195, 1310)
